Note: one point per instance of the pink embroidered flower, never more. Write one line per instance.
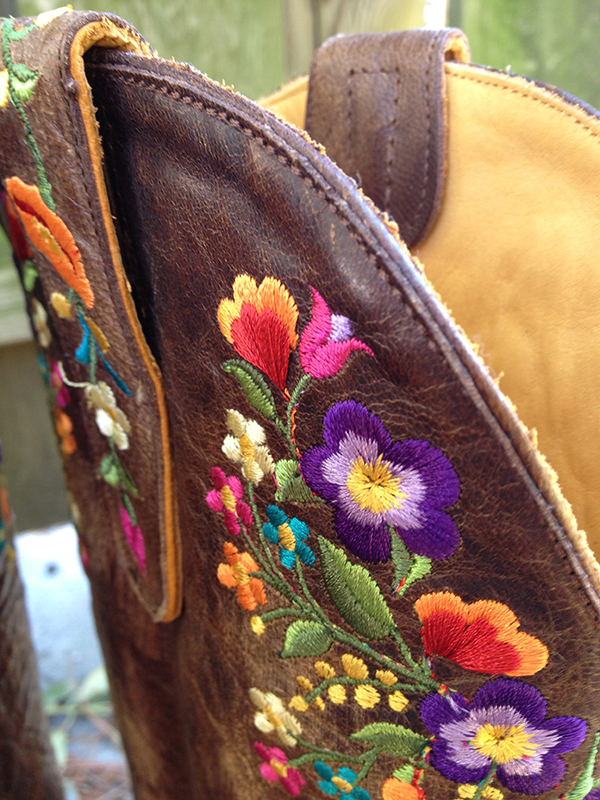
(326, 342)
(227, 497)
(134, 537)
(275, 768)
(56, 382)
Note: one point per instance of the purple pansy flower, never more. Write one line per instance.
(593, 795)
(327, 342)
(505, 724)
(375, 484)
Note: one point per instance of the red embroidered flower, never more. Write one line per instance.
(63, 397)
(235, 575)
(135, 538)
(395, 789)
(274, 768)
(482, 636)
(49, 234)
(227, 497)
(260, 322)
(326, 342)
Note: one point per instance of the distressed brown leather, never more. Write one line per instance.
(27, 765)
(376, 101)
(204, 186)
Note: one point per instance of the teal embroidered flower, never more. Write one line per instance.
(339, 785)
(290, 535)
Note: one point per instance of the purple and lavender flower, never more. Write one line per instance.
(504, 724)
(375, 484)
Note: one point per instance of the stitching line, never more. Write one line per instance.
(540, 99)
(427, 169)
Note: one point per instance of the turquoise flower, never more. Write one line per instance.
(290, 535)
(339, 785)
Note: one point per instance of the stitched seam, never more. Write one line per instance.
(390, 146)
(542, 100)
(351, 74)
(427, 169)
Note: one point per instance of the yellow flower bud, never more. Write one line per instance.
(397, 701)
(354, 667)
(61, 305)
(318, 701)
(324, 670)
(257, 625)
(304, 683)
(298, 703)
(337, 694)
(366, 696)
(387, 677)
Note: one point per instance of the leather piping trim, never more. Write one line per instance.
(104, 33)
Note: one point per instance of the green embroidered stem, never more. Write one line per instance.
(325, 755)
(397, 636)
(371, 757)
(294, 400)
(255, 551)
(481, 787)
(93, 361)
(259, 529)
(8, 35)
(281, 613)
(343, 679)
(307, 593)
(422, 682)
(280, 585)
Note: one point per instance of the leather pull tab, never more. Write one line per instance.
(376, 101)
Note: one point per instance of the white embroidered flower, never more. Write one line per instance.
(272, 717)
(111, 420)
(39, 318)
(246, 446)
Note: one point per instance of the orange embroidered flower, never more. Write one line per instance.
(64, 429)
(50, 235)
(235, 574)
(260, 322)
(482, 636)
(395, 789)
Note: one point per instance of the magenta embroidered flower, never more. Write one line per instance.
(376, 485)
(134, 537)
(326, 342)
(275, 768)
(227, 497)
(504, 725)
(56, 382)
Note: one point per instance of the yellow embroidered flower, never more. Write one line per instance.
(387, 677)
(39, 319)
(272, 717)
(298, 703)
(354, 667)
(304, 683)
(367, 696)
(337, 694)
(257, 625)
(47, 16)
(111, 420)
(246, 446)
(61, 305)
(467, 790)
(4, 98)
(398, 701)
(319, 703)
(324, 670)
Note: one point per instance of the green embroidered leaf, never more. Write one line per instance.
(285, 470)
(129, 508)
(30, 275)
(306, 638)
(109, 470)
(401, 558)
(354, 593)
(253, 385)
(126, 480)
(393, 739)
(23, 81)
(290, 482)
(404, 773)
(421, 566)
(585, 782)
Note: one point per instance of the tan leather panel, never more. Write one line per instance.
(514, 254)
(289, 102)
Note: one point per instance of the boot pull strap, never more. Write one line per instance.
(377, 103)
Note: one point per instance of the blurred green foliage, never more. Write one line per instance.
(554, 41)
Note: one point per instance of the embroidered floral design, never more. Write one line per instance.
(482, 636)
(46, 17)
(340, 785)
(39, 319)
(63, 398)
(246, 446)
(275, 768)
(395, 789)
(226, 498)
(377, 486)
(111, 421)
(64, 430)
(134, 537)
(16, 234)
(502, 730)
(4, 97)
(272, 717)
(236, 575)
(261, 325)
(61, 305)
(290, 535)
(327, 343)
(387, 500)
(49, 234)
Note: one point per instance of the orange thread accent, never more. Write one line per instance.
(50, 235)
(235, 574)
